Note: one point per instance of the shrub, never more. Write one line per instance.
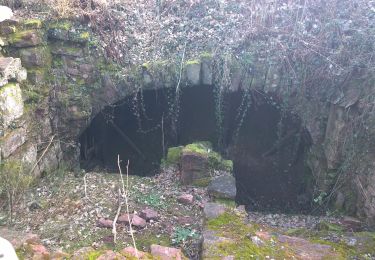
(15, 180)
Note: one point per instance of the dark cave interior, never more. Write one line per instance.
(267, 144)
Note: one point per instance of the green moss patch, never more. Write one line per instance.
(33, 24)
(192, 62)
(62, 25)
(365, 241)
(145, 240)
(326, 226)
(174, 155)
(93, 255)
(238, 242)
(202, 182)
(227, 202)
(215, 161)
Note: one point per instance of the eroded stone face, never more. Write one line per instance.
(10, 68)
(11, 105)
(194, 166)
(12, 141)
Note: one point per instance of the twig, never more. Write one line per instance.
(126, 194)
(114, 231)
(122, 179)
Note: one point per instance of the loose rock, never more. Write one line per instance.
(166, 253)
(135, 220)
(105, 223)
(149, 214)
(187, 199)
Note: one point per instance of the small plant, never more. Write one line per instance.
(15, 180)
(320, 198)
(151, 199)
(181, 235)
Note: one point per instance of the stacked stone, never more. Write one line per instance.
(25, 43)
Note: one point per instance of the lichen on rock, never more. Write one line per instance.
(11, 105)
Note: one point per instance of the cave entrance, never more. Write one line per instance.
(267, 144)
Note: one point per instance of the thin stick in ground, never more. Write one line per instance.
(114, 230)
(125, 195)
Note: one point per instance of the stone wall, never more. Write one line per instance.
(69, 81)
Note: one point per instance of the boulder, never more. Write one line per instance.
(166, 253)
(11, 104)
(194, 167)
(223, 187)
(11, 142)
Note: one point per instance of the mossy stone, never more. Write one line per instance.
(33, 24)
(26, 38)
(174, 155)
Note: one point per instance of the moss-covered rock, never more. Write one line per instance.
(27, 38)
(11, 104)
(232, 237)
(66, 31)
(215, 161)
(198, 162)
(174, 155)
